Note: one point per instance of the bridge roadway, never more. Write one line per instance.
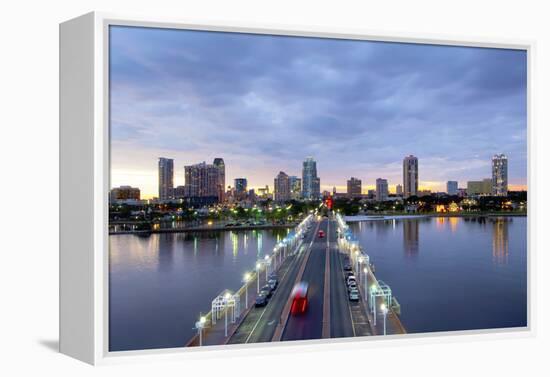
(330, 314)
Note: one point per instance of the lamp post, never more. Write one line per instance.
(258, 266)
(246, 279)
(200, 325)
(373, 290)
(266, 266)
(366, 278)
(385, 312)
(226, 301)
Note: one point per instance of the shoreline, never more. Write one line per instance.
(358, 218)
(204, 228)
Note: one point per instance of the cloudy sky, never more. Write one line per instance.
(264, 103)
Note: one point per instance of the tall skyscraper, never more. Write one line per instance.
(500, 175)
(166, 178)
(381, 190)
(399, 190)
(295, 187)
(241, 185)
(354, 187)
(218, 162)
(311, 184)
(282, 187)
(201, 180)
(452, 187)
(410, 176)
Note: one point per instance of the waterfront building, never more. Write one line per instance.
(381, 190)
(295, 187)
(410, 176)
(499, 182)
(282, 188)
(452, 187)
(354, 187)
(125, 193)
(180, 192)
(201, 181)
(311, 183)
(371, 194)
(483, 187)
(263, 193)
(166, 178)
(220, 164)
(241, 185)
(399, 190)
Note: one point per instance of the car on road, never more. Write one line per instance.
(299, 298)
(321, 234)
(347, 267)
(351, 279)
(261, 300)
(272, 284)
(266, 289)
(348, 274)
(353, 295)
(352, 287)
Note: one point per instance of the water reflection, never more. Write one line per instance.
(410, 237)
(500, 241)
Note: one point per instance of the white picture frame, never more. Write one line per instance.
(84, 178)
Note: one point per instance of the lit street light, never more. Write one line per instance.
(258, 266)
(366, 278)
(246, 279)
(200, 325)
(385, 312)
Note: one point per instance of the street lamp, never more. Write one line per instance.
(385, 312)
(226, 301)
(200, 325)
(266, 266)
(366, 273)
(246, 279)
(258, 266)
(373, 290)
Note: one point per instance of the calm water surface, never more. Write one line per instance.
(160, 284)
(452, 273)
(447, 273)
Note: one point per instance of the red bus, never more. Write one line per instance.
(299, 298)
(321, 234)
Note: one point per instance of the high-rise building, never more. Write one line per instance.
(399, 190)
(295, 187)
(202, 180)
(483, 187)
(354, 187)
(125, 193)
(410, 176)
(381, 189)
(166, 178)
(500, 175)
(371, 194)
(241, 185)
(282, 187)
(220, 164)
(263, 193)
(452, 187)
(311, 184)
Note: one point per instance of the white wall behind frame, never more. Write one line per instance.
(29, 32)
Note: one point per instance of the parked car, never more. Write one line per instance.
(261, 300)
(266, 289)
(347, 267)
(353, 295)
(351, 279)
(352, 287)
(272, 284)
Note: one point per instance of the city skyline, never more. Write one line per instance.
(272, 101)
